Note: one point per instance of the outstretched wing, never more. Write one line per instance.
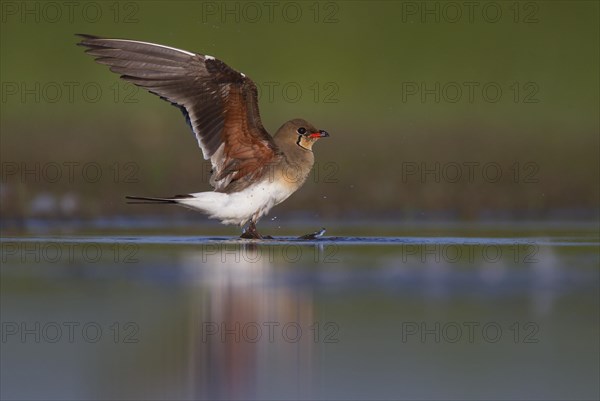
(219, 103)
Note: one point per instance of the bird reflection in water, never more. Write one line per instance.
(250, 329)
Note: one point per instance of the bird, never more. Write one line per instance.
(252, 171)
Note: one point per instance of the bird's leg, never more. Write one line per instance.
(252, 233)
(315, 235)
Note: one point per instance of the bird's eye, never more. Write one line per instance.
(302, 130)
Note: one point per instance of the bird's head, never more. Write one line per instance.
(301, 132)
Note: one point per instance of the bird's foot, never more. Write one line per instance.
(252, 233)
(247, 235)
(315, 235)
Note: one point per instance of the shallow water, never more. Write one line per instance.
(493, 312)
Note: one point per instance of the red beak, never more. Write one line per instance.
(320, 134)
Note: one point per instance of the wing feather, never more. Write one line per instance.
(219, 103)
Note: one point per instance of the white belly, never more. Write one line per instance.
(239, 207)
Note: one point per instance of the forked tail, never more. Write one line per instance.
(143, 200)
(212, 203)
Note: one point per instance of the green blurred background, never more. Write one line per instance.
(361, 68)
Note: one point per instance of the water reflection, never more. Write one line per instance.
(376, 318)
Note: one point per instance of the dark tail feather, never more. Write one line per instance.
(140, 200)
